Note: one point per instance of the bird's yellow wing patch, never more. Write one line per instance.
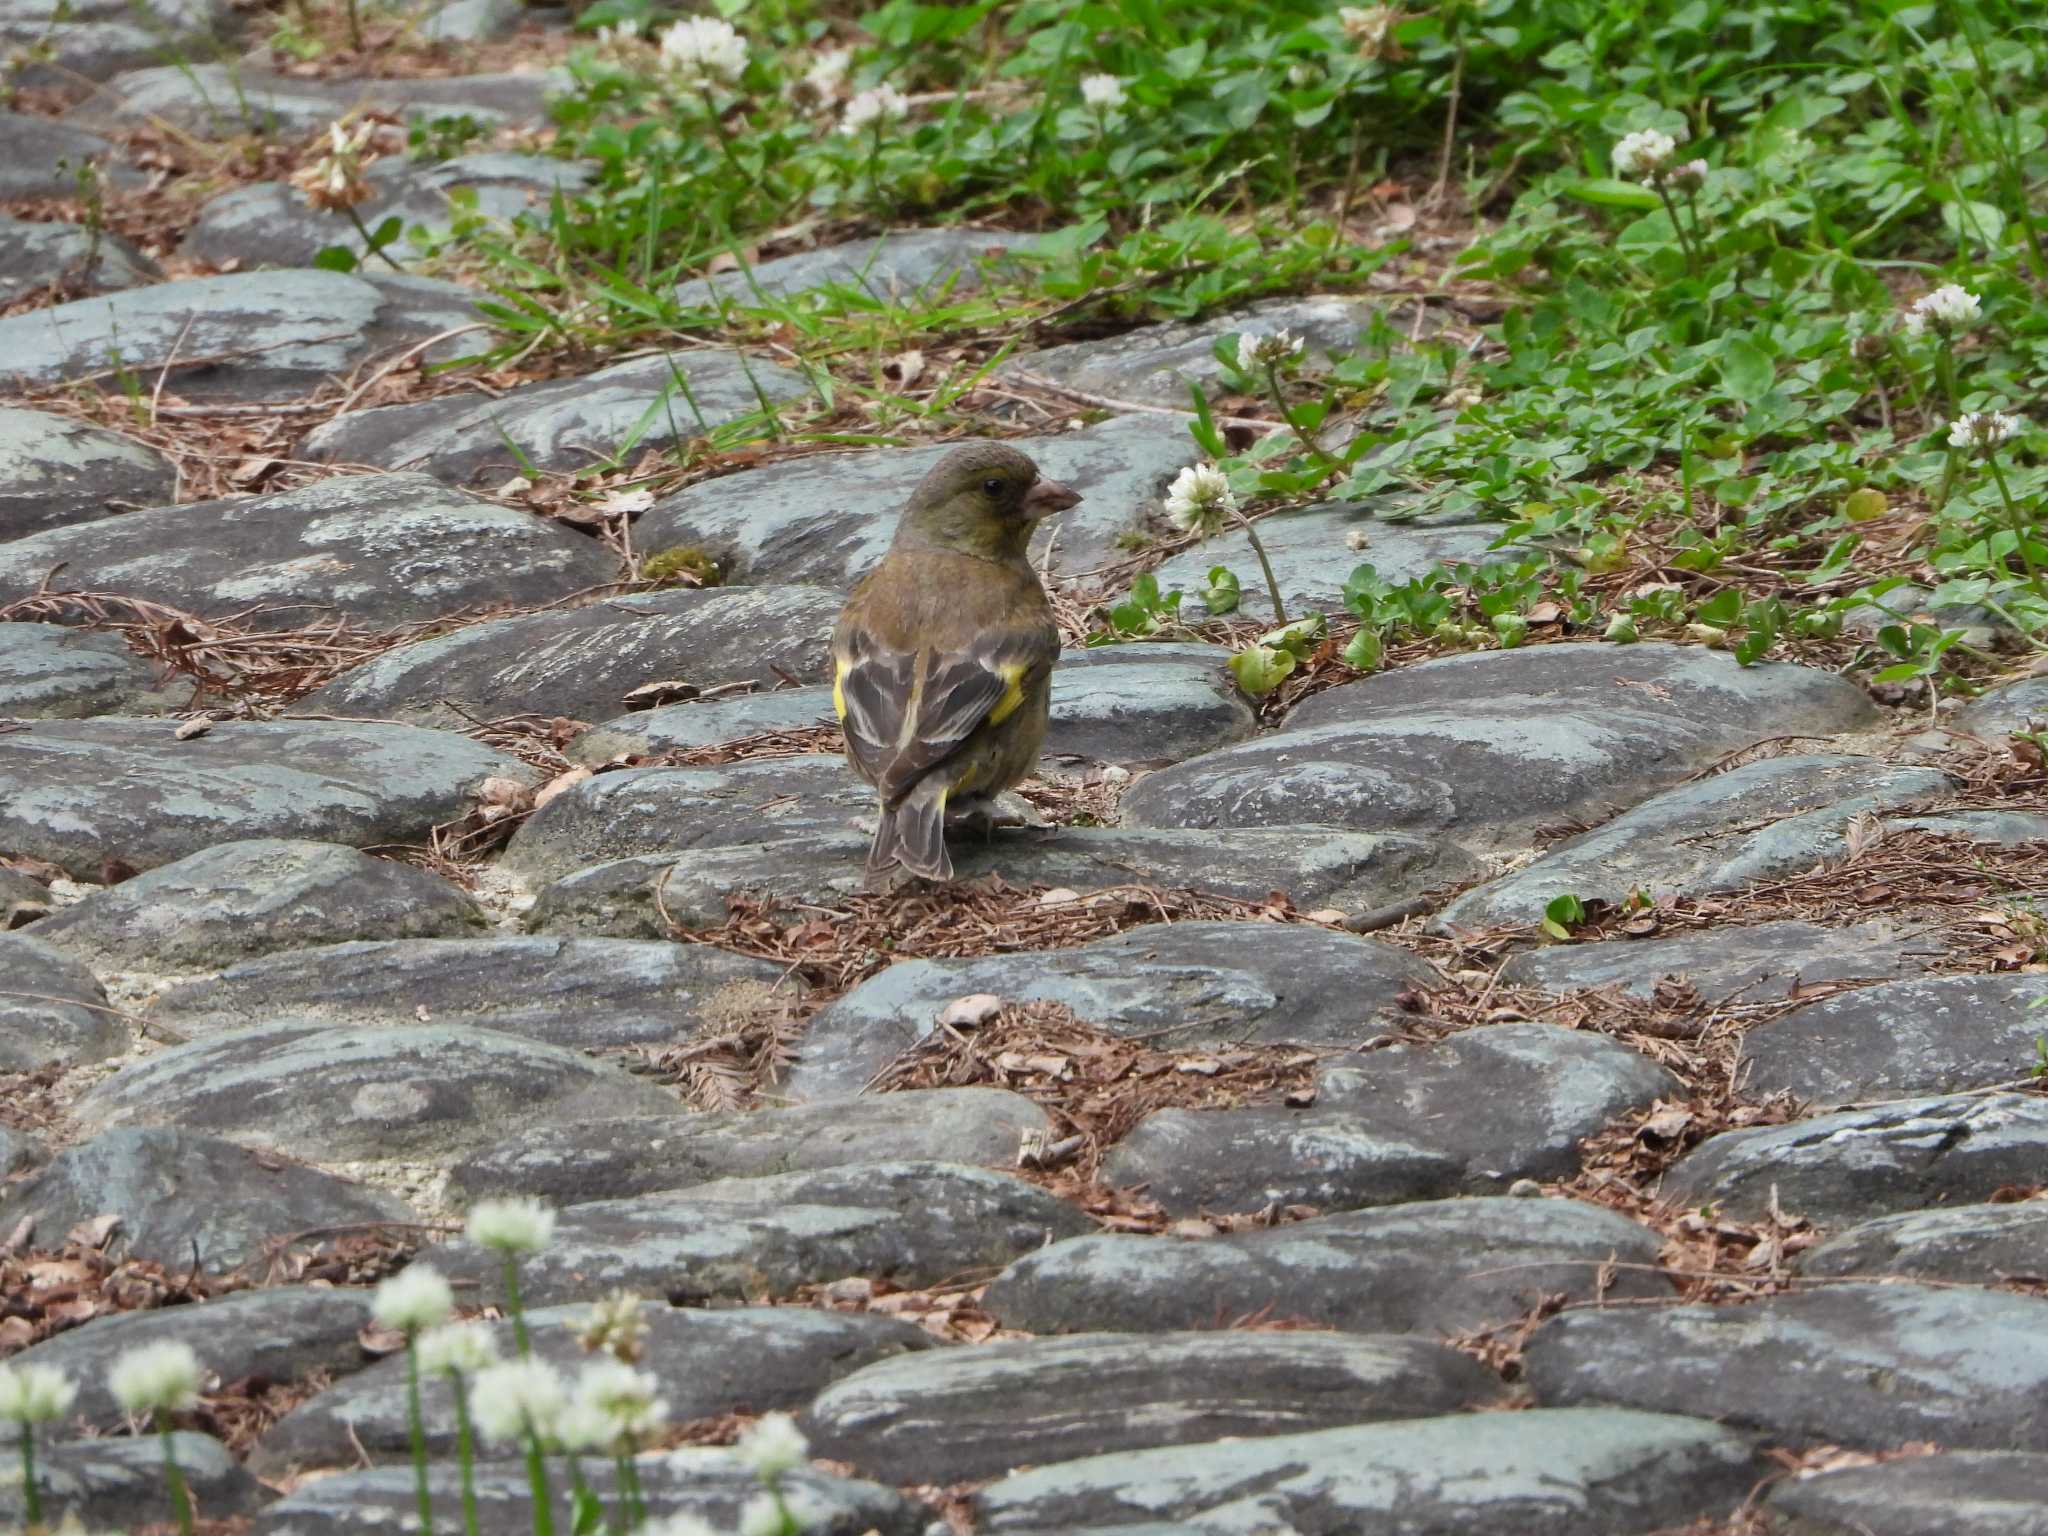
(839, 688)
(1012, 673)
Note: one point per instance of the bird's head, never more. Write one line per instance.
(981, 499)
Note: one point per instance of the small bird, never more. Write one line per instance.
(944, 652)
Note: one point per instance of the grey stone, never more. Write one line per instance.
(1855, 1365)
(827, 518)
(278, 1335)
(1155, 364)
(377, 549)
(118, 1484)
(335, 1093)
(966, 1415)
(22, 900)
(1966, 1244)
(709, 1361)
(36, 256)
(1251, 1158)
(270, 224)
(1762, 821)
(581, 662)
(56, 470)
(52, 1011)
(1182, 985)
(1312, 556)
(2012, 709)
(564, 425)
(1756, 964)
(51, 672)
(704, 723)
(580, 993)
(1557, 1473)
(19, 1152)
(617, 1159)
(44, 157)
(91, 39)
(2001, 829)
(1494, 745)
(222, 100)
(1936, 1034)
(185, 1199)
(79, 792)
(713, 1486)
(1871, 1162)
(913, 1223)
(909, 264)
(1316, 867)
(249, 898)
(1436, 1267)
(264, 333)
(1986, 1493)
(466, 21)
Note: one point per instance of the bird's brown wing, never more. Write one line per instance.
(904, 713)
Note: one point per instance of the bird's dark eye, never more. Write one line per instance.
(993, 484)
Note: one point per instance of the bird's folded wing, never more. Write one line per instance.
(905, 713)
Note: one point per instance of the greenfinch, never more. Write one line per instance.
(943, 654)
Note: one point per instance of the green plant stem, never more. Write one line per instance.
(1945, 375)
(181, 1497)
(1272, 581)
(465, 1452)
(370, 241)
(2019, 525)
(1307, 439)
(419, 1433)
(31, 1495)
(355, 27)
(1692, 255)
(629, 1484)
(513, 1307)
(725, 144)
(537, 1482)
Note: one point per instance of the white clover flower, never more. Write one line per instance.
(583, 1426)
(877, 105)
(827, 72)
(517, 1398)
(34, 1394)
(678, 1525)
(457, 1349)
(1644, 153)
(1948, 308)
(614, 1326)
(761, 1516)
(511, 1226)
(1105, 93)
(773, 1446)
(701, 49)
(414, 1299)
(1200, 500)
(1692, 174)
(620, 36)
(1370, 27)
(613, 1404)
(1256, 351)
(156, 1378)
(1984, 430)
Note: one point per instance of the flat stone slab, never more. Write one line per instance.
(709, 1361)
(1987, 1493)
(1182, 985)
(221, 101)
(22, 900)
(33, 256)
(269, 223)
(185, 1198)
(1263, 1156)
(565, 425)
(713, 1486)
(1762, 821)
(966, 1415)
(1860, 1163)
(1966, 1244)
(617, 1159)
(79, 792)
(915, 1223)
(311, 1090)
(44, 156)
(1435, 1267)
(53, 672)
(56, 470)
(2013, 708)
(1494, 745)
(20, 1152)
(380, 550)
(52, 1011)
(827, 518)
(118, 1483)
(279, 1335)
(272, 333)
(892, 268)
(582, 662)
(1936, 1034)
(1868, 1366)
(1752, 964)
(249, 898)
(583, 994)
(1317, 867)
(91, 39)
(1590, 1472)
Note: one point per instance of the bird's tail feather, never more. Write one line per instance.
(912, 833)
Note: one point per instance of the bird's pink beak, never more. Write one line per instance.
(1047, 497)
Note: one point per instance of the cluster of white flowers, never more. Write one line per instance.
(510, 1226)
(620, 38)
(774, 1446)
(678, 1525)
(1257, 351)
(761, 1516)
(827, 74)
(874, 106)
(34, 1394)
(1949, 308)
(702, 50)
(156, 1378)
(1200, 500)
(1644, 154)
(457, 1349)
(614, 1326)
(1984, 430)
(1105, 93)
(1689, 175)
(1370, 27)
(413, 1300)
(336, 180)
(516, 1398)
(614, 1407)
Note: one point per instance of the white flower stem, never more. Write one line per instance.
(2019, 525)
(537, 1482)
(418, 1431)
(1306, 439)
(181, 1497)
(31, 1495)
(1945, 374)
(724, 138)
(369, 240)
(513, 1307)
(1692, 255)
(1272, 581)
(465, 1452)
